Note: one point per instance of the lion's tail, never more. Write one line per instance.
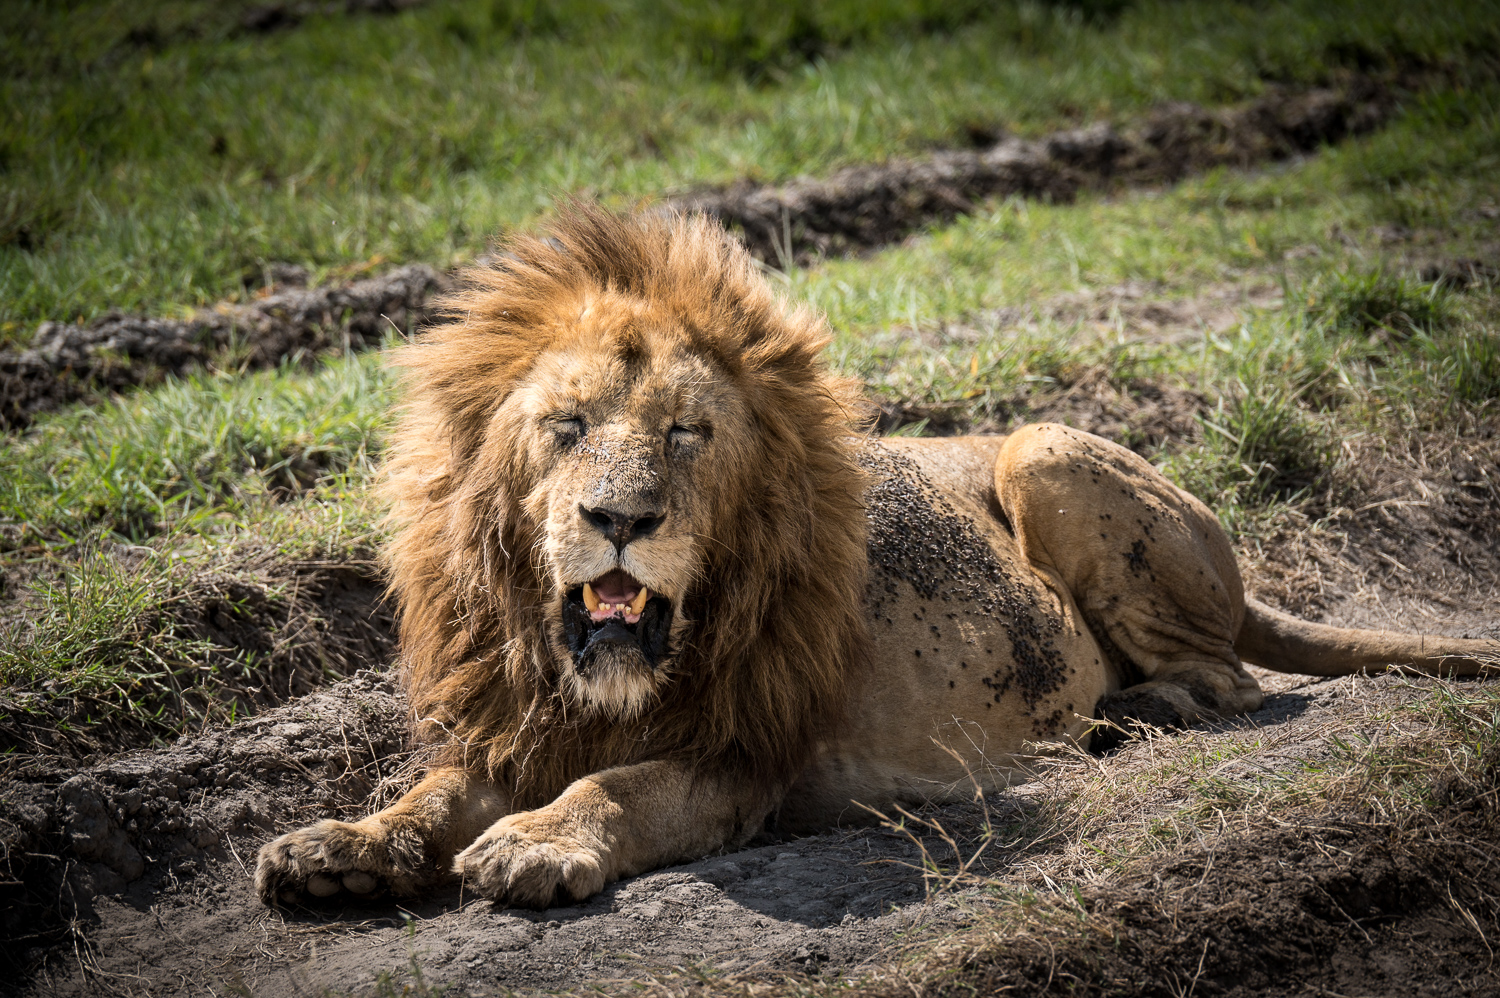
(1283, 643)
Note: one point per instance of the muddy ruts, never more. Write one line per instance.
(66, 361)
(870, 205)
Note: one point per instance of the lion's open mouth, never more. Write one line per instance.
(612, 614)
(617, 594)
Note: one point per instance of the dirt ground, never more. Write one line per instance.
(283, 319)
(131, 875)
(870, 205)
(151, 851)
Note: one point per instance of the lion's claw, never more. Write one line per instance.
(523, 868)
(329, 861)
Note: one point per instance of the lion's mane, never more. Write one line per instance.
(783, 584)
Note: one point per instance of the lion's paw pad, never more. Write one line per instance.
(324, 862)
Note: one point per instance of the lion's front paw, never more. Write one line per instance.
(336, 859)
(518, 862)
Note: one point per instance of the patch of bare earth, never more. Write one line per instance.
(1165, 868)
(871, 205)
(286, 320)
(1142, 311)
(1140, 413)
(154, 896)
(1414, 544)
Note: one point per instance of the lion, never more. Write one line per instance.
(659, 591)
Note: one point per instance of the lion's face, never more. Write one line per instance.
(631, 451)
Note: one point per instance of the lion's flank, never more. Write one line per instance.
(779, 608)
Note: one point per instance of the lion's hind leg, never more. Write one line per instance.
(1148, 565)
(401, 850)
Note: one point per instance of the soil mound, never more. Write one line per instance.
(258, 637)
(1330, 906)
(147, 821)
(870, 205)
(67, 361)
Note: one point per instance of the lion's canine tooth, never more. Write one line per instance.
(589, 599)
(639, 603)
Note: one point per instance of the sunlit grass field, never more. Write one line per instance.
(157, 157)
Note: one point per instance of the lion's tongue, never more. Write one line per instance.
(615, 592)
(616, 587)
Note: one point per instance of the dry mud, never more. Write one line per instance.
(131, 877)
(66, 362)
(871, 205)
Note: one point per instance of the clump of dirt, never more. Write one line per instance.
(66, 362)
(866, 206)
(267, 634)
(1414, 524)
(270, 17)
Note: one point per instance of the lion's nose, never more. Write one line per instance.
(621, 528)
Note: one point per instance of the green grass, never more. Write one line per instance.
(349, 140)
(1425, 172)
(193, 455)
(105, 635)
(151, 158)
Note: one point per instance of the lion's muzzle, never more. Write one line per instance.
(614, 619)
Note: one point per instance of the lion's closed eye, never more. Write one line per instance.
(568, 428)
(685, 435)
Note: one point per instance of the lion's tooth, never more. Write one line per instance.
(589, 599)
(639, 603)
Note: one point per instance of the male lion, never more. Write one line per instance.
(655, 590)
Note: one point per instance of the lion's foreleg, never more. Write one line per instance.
(403, 849)
(613, 824)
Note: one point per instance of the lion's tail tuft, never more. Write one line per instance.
(1283, 643)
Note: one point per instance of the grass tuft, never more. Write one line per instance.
(1259, 445)
(1362, 303)
(105, 638)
